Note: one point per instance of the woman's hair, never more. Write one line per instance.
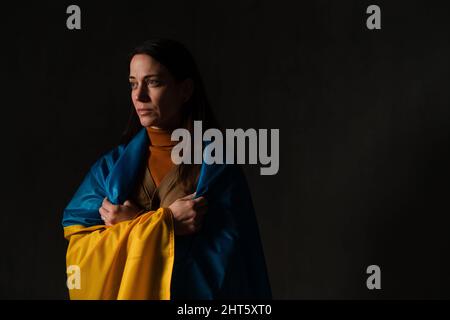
(181, 65)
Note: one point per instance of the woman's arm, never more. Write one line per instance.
(112, 214)
(187, 213)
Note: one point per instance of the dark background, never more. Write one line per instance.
(363, 116)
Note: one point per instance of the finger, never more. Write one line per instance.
(192, 225)
(112, 208)
(188, 197)
(198, 223)
(103, 212)
(199, 199)
(200, 202)
(128, 203)
(107, 205)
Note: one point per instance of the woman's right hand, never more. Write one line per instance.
(188, 214)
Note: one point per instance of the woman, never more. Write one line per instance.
(141, 227)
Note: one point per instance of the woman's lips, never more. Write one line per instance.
(143, 112)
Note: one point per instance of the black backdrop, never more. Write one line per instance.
(363, 118)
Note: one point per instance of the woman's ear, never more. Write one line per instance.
(187, 88)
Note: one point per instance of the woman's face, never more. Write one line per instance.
(156, 95)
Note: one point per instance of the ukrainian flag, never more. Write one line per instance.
(142, 258)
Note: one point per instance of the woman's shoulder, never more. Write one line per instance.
(109, 158)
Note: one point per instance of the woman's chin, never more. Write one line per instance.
(149, 122)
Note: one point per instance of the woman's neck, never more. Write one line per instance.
(160, 137)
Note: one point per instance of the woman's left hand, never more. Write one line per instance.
(112, 214)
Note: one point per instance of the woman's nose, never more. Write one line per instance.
(142, 94)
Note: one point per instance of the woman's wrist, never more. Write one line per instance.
(168, 210)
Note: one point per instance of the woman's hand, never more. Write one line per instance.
(188, 214)
(112, 214)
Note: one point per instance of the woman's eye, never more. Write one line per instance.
(133, 85)
(153, 83)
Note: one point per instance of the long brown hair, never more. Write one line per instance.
(180, 63)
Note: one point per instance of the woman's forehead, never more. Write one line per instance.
(145, 64)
